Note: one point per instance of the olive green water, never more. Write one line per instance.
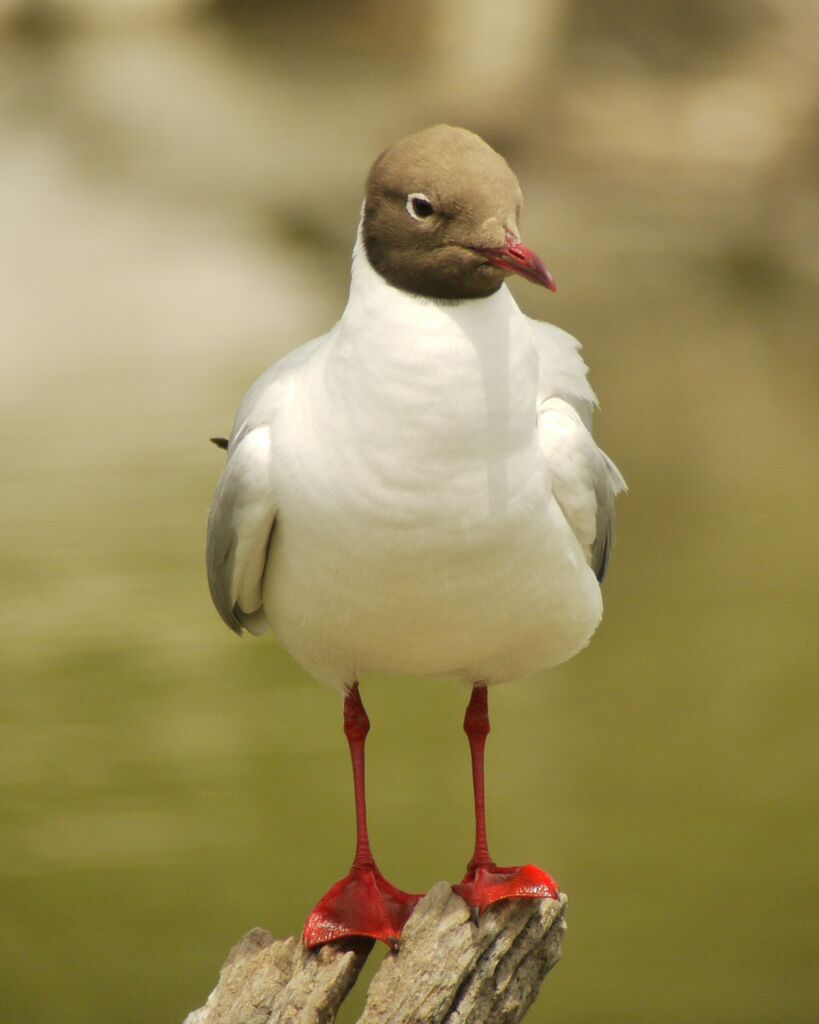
(166, 787)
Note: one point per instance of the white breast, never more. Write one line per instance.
(417, 531)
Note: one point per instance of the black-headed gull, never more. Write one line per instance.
(418, 490)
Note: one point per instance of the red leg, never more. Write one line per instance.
(486, 883)
(364, 902)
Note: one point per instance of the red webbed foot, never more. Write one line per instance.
(365, 904)
(485, 884)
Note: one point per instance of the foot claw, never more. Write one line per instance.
(363, 903)
(487, 884)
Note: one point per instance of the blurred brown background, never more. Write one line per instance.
(179, 189)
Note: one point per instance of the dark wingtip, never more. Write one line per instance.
(604, 562)
(233, 621)
(220, 442)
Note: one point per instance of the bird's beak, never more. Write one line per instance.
(515, 258)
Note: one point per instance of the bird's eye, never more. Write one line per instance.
(418, 206)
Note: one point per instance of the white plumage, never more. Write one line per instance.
(417, 491)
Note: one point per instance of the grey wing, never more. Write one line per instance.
(584, 479)
(240, 526)
(244, 507)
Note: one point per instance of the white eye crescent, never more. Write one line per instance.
(418, 206)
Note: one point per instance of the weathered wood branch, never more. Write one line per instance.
(447, 971)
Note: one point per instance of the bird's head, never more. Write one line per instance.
(441, 217)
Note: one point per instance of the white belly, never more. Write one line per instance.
(429, 585)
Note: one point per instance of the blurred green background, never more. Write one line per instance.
(179, 189)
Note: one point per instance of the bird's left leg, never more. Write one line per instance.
(363, 902)
(485, 883)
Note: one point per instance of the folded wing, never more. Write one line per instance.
(240, 525)
(584, 479)
(244, 507)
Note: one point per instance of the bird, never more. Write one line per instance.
(417, 491)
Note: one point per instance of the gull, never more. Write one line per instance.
(417, 491)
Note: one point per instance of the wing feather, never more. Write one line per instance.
(243, 513)
(563, 373)
(584, 479)
(240, 525)
(608, 482)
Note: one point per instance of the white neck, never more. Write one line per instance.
(484, 322)
(462, 376)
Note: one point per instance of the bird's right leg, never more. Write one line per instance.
(364, 902)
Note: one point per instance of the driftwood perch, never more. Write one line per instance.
(447, 971)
